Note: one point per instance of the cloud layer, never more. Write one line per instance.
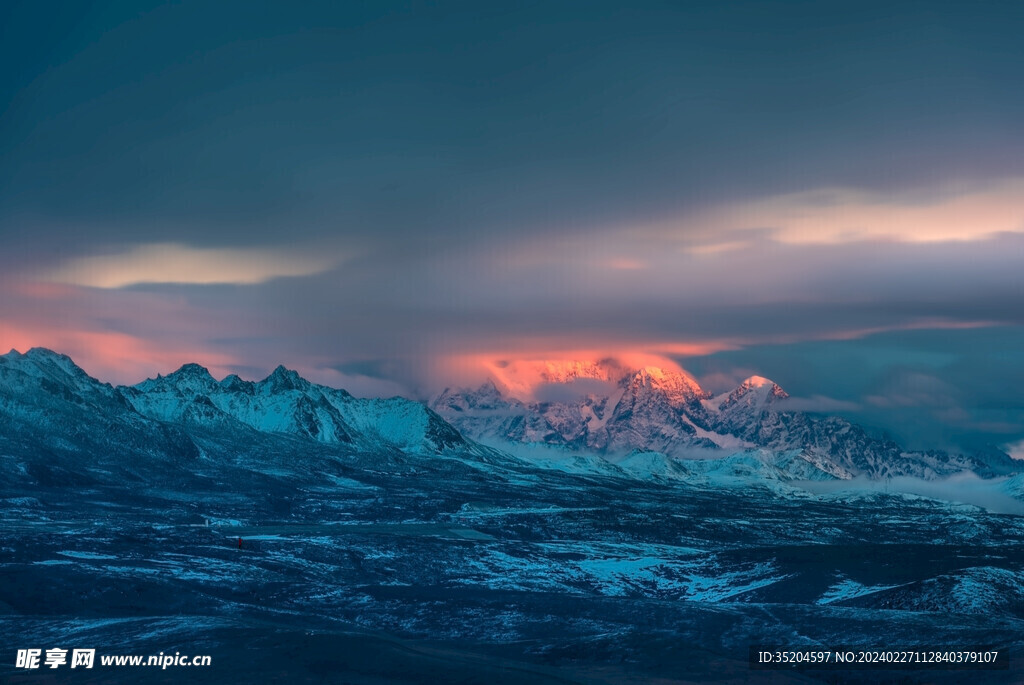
(173, 263)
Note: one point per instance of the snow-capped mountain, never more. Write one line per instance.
(75, 428)
(741, 411)
(281, 403)
(46, 400)
(284, 402)
(651, 410)
(657, 410)
(648, 408)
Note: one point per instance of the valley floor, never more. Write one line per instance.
(438, 570)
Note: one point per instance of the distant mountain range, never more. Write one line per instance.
(644, 422)
(59, 426)
(653, 410)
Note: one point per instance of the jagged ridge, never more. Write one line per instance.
(652, 410)
(45, 397)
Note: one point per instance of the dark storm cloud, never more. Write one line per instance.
(233, 124)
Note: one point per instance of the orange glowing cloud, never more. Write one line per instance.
(833, 216)
(173, 263)
(522, 377)
(520, 372)
(522, 368)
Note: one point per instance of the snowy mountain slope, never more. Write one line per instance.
(402, 423)
(58, 425)
(281, 403)
(742, 411)
(740, 469)
(667, 412)
(284, 402)
(50, 407)
(647, 408)
(657, 410)
(487, 412)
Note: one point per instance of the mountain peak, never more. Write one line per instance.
(283, 371)
(673, 383)
(236, 384)
(489, 389)
(55, 374)
(655, 372)
(770, 386)
(759, 382)
(44, 353)
(191, 377)
(756, 390)
(192, 371)
(283, 378)
(47, 361)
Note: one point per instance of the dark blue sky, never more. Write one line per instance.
(384, 195)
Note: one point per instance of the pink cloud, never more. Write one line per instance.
(114, 357)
